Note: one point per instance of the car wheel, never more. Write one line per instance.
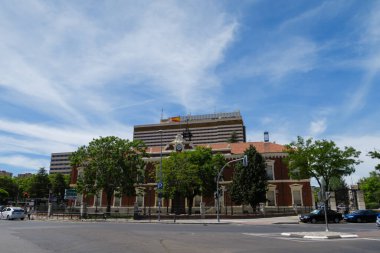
(22, 219)
(313, 220)
(336, 220)
(358, 220)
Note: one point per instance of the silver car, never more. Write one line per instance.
(378, 220)
(11, 213)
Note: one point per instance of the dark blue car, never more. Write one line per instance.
(361, 216)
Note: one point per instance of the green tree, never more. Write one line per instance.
(110, 164)
(24, 184)
(371, 187)
(190, 173)
(3, 195)
(249, 184)
(320, 159)
(9, 185)
(40, 184)
(59, 183)
(233, 138)
(375, 155)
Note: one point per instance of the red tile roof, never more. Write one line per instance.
(235, 148)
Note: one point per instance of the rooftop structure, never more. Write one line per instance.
(208, 128)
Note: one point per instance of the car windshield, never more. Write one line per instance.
(316, 211)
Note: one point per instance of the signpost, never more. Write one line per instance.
(71, 194)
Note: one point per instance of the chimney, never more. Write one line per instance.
(266, 136)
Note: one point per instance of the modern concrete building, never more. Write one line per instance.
(24, 175)
(208, 128)
(5, 173)
(60, 163)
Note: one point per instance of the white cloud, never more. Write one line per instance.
(371, 63)
(276, 61)
(43, 140)
(66, 63)
(318, 127)
(364, 143)
(73, 58)
(25, 162)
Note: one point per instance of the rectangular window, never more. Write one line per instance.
(140, 200)
(269, 170)
(297, 197)
(117, 200)
(197, 201)
(98, 199)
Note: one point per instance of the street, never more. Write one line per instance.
(94, 237)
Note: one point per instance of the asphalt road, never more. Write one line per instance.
(104, 237)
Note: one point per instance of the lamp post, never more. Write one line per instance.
(245, 164)
(160, 179)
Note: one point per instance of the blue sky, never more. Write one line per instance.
(71, 71)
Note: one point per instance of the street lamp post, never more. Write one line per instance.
(245, 164)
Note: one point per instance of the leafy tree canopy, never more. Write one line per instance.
(9, 185)
(233, 138)
(250, 183)
(190, 173)
(3, 195)
(40, 184)
(375, 155)
(109, 164)
(59, 183)
(371, 187)
(320, 159)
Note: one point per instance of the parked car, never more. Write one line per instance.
(361, 216)
(11, 213)
(378, 220)
(319, 215)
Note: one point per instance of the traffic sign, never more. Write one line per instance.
(71, 194)
(160, 185)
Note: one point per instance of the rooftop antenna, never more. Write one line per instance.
(162, 114)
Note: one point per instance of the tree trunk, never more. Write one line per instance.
(190, 205)
(109, 198)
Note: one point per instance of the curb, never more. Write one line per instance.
(285, 223)
(306, 236)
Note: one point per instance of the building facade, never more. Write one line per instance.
(209, 128)
(4, 173)
(283, 192)
(60, 163)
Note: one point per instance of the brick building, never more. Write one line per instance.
(283, 192)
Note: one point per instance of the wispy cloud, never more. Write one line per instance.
(279, 59)
(19, 161)
(74, 68)
(318, 127)
(371, 63)
(43, 139)
(164, 47)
